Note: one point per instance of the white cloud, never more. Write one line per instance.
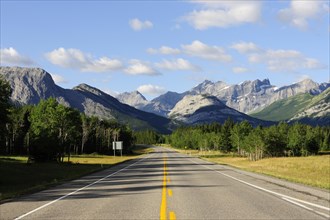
(178, 64)
(168, 50)
(311, 63)
(245, 47)
(164, 50)
(58, 78)
(138, 67)
(199, 49)
(224, 14)
(301, 12)
(151, 89)
(152, 51)
(12, 57)
(76, 59)
(240, 70)
(278, 60)
(138, 25)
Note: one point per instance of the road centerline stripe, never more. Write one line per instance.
(170, 193)
(172, 216)
(163, 203)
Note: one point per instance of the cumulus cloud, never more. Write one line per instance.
(178, 64)
(240, 69)
(10, 56)
(223, 14)
(245, 47)
(151, 89)
(138, 25)
(301, 12)
(58, 78)
(199, 49)
(76, 59)
(279, 60)
(164, 50)
(138, 67)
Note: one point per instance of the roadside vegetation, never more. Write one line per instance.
(19, 177)
(297, 152)
(49, 143)
(310, 170)
(256, 143)
(50, 131)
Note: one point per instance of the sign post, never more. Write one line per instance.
(114, 148)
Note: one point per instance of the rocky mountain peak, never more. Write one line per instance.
(135, 99)
(190, 103)
(202, 86)
(87, 88)
(307, 83)
(29, 84)
(28, 74)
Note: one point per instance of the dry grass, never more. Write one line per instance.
(313, 170)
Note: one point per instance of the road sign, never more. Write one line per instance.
(117, 145)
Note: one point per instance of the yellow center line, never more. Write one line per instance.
(172, 216)
(169, 192)
(163, 204)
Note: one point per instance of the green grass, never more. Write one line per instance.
(18, 177)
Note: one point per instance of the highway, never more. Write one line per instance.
(169, 185)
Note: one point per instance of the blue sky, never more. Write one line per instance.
(159, 46)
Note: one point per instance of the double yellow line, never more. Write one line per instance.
(163, 206)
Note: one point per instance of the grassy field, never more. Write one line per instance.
(312, 170)
(18, 177)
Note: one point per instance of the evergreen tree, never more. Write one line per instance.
(5, 92)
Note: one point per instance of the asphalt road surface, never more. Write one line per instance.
(169, 185)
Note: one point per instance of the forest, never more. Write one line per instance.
(256, 143)
(49, 131)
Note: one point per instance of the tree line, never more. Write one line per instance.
(49, 130)
(254, 143)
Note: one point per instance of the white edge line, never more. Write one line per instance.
(266, 190)
(71, 193)
(320, 213)
(296, 203)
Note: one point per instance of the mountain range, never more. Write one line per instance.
(249, 97)
(255, 101)
(30, 85)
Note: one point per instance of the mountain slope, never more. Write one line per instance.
(30, 85)
(200, 109)
(317, 111)
(284, 109)
(299, 107)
